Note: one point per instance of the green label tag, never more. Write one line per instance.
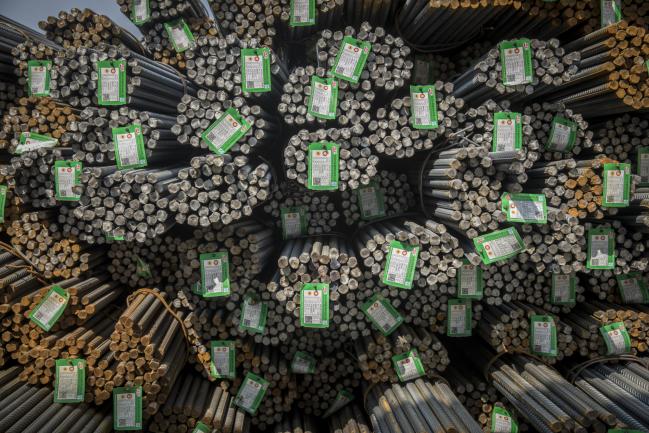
(140, 11)
(201, 428)
(351, 59)
(400, 265)
(70, 381)
(251, 392)
(302, 13)
(127, 408)
(508, 132)
(611, 12)
(371, 201)
(469, 281)
(215, 274)
(543, 339)
(617, 185)
(643, 165)
(222, 359)
(51, 307)
(303, 363)
(633, 288)
(502, 421)
(114, 236)
(616, 338)
(601, 249)
(180, 36)
(563, 135)
(382, 314)
(253, 314)
(38, 77)
(408, 366)
(255, 70)
(343, 398)
(563, 289)
(142, 269)
(516, 62)
(3, 202)
(314, 305)
(31, 141)
(323, 166)
(499, 245)
(128, 142)
(323, 100)
(225, 131)
(294, 222)
(525, 208)
(458, 318)
(423, 107)
(111, 86)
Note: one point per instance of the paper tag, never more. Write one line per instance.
(498, 245)
(323, 101)
(633, 288)
(643, 165)
(67, 174)
(601, 249)
(253, 314)
(469, 282)
(617, 338)
(382, 314)
(38, 77)
(303, 363)
(508, 132)
(423, 107)
(140, 11)
(400, 265)
(525, 208)
(255, 70)
(251, 392)
(563, 289)
(302, 13)
(51, 307)
(502, 421)
(225, 131)
(111, 86)
(563, 135)
(617, 185)
(323, 166)
(142, 269)
(408, 366)
(70, 381)
(314, 305)
(458, 318)
(128, 142)
(3, 202)
(223, 359)
(201, 428)
(343, 398)
(294, 222)
(127, 408)
(543, 340)
(371, 201)
(351, 59)
(215, 274)
(611, 12)
(180, 35)
(516, 62)
(31, 141)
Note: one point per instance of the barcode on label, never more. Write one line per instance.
(465, 291)
(317, 109)
(610, 198)
(340, 70)
(246, 322)
(538, 348)
(39, 315)
(420, 120)
(317, 181)
(106, 97)
(392, 277)
(122, 422)
(511, 78)
(300, 18)
(308, 319)
(250, 84)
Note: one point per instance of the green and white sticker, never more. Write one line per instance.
(423, 107)
(221, 135)
(3, 202)
(351, 59)
(31, 141)
(140, 11)
(323, 100)
(294, 222)
(323, 166)
(633, 288)
(180, 35)
(601, 248)
(371, 201)
(223, 359)
(502, 421)
(114, 236)
(382, 314)
(253, 314)
(525, 208)
(302, 13)
(70, 381)
(314, 305)
(251, 392)
(543, 338)
(215, 274)
(617, 185)
(201, 428)
(400, 265)
(51, 307)
(469, 282)
(111, 86)
(643, 165)
(255, 70)
(127, 408)
(408, 366)
(516, 62)
(563, 289)
(303, 363)
(611, 12)
(343, 398)
(458, 318)
(499, 245)
(508, 132)
(563, 135)
(617, 338)
(128, 142)
(38, 77)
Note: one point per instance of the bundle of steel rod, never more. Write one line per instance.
(353, 104)
(391, 131)
(633, 12)
(419, 405)
(327, 14)
(193, 400)
(84, 28)
(30, 408)
(587, 319)
(394, 193)
(356, 162)
(248, 19)
(162, 10)
(621, 137)
(433, 67)
(31, 50)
